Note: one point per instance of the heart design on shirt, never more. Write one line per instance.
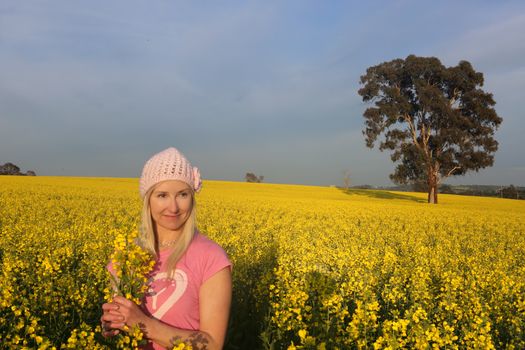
(181, 283)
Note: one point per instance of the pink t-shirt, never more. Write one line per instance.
(176, 301)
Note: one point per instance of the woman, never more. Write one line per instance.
(190, 287)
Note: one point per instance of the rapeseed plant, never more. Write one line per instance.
(314, 268)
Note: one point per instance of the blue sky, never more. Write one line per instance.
(93, 88)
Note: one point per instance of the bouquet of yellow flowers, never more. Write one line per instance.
(131, 265)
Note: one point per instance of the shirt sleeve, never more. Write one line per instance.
(114, 279)
(214, 260)
(110, 267)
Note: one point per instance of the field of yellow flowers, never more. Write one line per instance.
(314, 267)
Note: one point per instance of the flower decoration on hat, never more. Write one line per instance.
(197, 182)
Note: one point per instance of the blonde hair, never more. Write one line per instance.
(148, 238)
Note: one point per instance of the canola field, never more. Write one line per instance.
(314, 267)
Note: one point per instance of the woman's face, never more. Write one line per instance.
(170, 203)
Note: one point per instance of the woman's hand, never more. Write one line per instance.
(132, 315)
(121, 315)
(111, 319)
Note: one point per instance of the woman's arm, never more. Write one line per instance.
(214, 305)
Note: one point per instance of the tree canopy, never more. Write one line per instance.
(12, 169)
(251, 177)
(436, 120)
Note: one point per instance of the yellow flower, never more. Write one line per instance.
(302, 333)
(357, 269)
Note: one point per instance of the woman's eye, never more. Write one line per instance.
(184, 194)
(161, 195)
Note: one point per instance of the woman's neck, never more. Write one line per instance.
(167, 238)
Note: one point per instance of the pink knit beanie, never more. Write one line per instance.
(169, 164)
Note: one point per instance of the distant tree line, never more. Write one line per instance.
(510, 192)
(251, 177)
(12, 169)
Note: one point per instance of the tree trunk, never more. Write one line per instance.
(432, 186)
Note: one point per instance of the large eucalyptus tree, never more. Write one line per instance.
(436, 120)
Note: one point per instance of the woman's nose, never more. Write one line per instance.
(173, 206)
